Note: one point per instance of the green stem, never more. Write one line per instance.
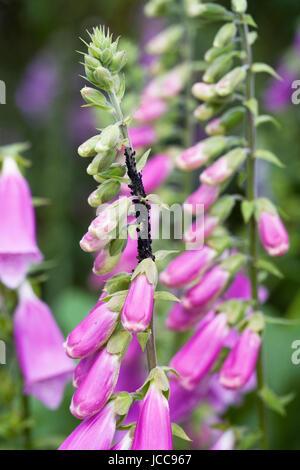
(151, 347)
(251, 194)
(26, 417)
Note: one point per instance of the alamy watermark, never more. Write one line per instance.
(2, 92)
(295, 357)
(2, 352)
(296, 94)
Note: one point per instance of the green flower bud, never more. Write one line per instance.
(106, 57)
(107, 191)
(204, 91)
(233, 263)
(92, 96)
(118, 245)
(109, 138)
(206, 111)
(91, 62)
(222, 208)
(95, 51)
(214, 145)
(239, 6)
(165, 41)
(157, 7)
(118, 62)
(226, 122)
(230, 81)
(218, 68)
(103, 78)
(215, 52)
(225, 35)
(87, 149)
(104, 262)
(209, 12)
(116, 169)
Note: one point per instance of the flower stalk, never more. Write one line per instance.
(252, 230)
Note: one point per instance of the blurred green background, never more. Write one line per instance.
(38, 33)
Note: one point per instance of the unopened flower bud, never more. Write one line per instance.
(157, 7)
(165, 40)
(91, 62)
(109, 138)
(241, 361)
(224, 167)
(92, 96)
(218, 68)
(103, 78)
(239, 6)
(199, 154)
(230, 81)
(226, 122)
(87, 149)
(118, 62)
(273, 234)
(115, 169)
(104, 263)
(204, 91)
(206, 344)
(101, 162)
(205, 111)
(90, 243)
(215, 52)
(201, 199)
(92, 332)
(225, 35)
(208, 11)
(107, 191)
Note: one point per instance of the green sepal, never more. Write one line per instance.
(122, 402)
(143, 338)
(147, 267)
(179, 432)
(274, 401)
(119, 342)
(119, 282)
(165, 295)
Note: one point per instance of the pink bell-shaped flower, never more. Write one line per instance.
(18, 248)
(39, 344)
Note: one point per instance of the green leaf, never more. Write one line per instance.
(249, 20)
(248, 441)
(162, 254)
(164, 295)
(156, 199)
(247, 208)
(252, 105)
(179, 432)
(259, 67)
(269, 157)
(143, 338)
(269, 267)
(264, 118)
(143, 160)
(275, 402)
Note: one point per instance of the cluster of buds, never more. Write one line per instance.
(125, 307)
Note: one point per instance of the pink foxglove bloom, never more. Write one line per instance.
(125, 443)
(217, 172)
(150, 110)
(165, 87)
(241, 289)
(94, 433)
(241, 361)
(92, 332)
(225, 442)
(181, 319)
(138, 306)
(153, 427)
(82, 369)
(155, 172)
(142, 136)
(201, 199)
(182, 402)
(207, 291)
(192, 158)
(194, 360)
(97, 387)
(188, 267)
(18, 248)
(200, 229)
(44, 365)
(273, 234)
